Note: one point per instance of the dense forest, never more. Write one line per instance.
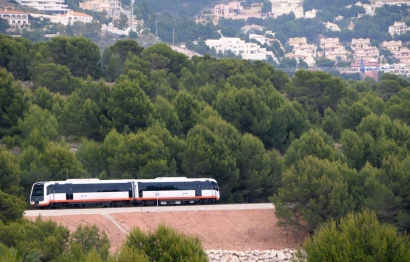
(315, 145)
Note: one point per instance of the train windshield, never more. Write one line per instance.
(38, 190)
(215, 186)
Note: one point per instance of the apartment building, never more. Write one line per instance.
(15, 18)
(403, 55)
(283, 7)
(266, 38)
(397, 69)
(250, 51)
(301, 49)
(360, 43)
(366, 53)
(70, 17)
(332, 49)
(302, 54)
(297, 41)
(49, 6)
(329, 42)
(231, 9)
(398, 28)
(110, 6)
(392, 45)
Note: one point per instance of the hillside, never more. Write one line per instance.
(217, 229)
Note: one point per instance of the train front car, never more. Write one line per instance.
(37, 196)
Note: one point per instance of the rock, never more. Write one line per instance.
(280, 255)
(217, 257)
(288, 255)
(272, 254)
(235, 259)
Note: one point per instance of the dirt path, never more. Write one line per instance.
(218, 229)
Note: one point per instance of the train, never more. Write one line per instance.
(106, 193)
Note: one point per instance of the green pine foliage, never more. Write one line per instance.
(357, 237)
(316, 145)
(166, 245)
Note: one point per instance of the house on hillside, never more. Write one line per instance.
(366, 53)
(403, 55)
(302, 50)
(110, 6)
(332, 49)
(237, 46)
(331, 27)
(392, 45)
(71, 16)
(283, 7)
(311, 14)
(245, 29)
(16, 19)
(380, 3)
(360, 43)
(266, 38)
(398, 28)
(233, 8)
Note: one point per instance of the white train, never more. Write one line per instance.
(87, 192)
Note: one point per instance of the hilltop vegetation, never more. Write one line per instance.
(317, 146)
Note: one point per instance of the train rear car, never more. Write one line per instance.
(177, 190)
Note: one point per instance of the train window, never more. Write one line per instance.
(38, 190)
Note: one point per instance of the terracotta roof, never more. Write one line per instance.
(12, 12)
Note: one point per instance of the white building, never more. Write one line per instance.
(311, 14)
(237, 46)
(15, 18)
(398, 28)
(49, 6)
(380, 3)
(332, 27)
(283, 7)
(231, 9)
(69, 18)
(248, 28)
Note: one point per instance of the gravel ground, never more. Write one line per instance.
(102, 211)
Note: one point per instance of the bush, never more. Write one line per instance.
(133, 34)
(11, 207)
(166, 244)
(358, 237)
(9, 141)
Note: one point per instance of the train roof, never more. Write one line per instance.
(96, 180)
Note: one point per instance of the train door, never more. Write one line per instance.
(50, 193)
(198, 189)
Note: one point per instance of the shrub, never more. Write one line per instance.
(166, 244)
